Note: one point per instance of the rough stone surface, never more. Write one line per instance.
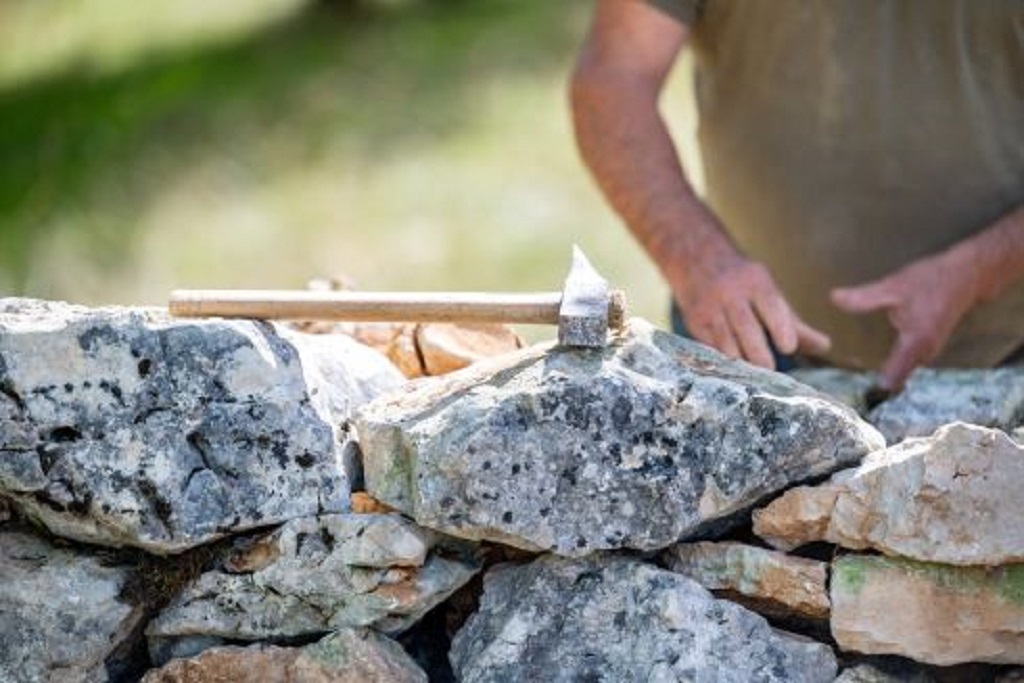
(314, 575)
(799, 516)
(638, 445)
(954, 497)
(364, 503)
(932, 398)
(127, 427)
(347, 656)
(849, 387)
(61, 615)
(772, 583)
(866, 673)
(937, 614)
(446, 347)
(616, 619)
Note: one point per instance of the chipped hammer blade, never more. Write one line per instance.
(583, 313)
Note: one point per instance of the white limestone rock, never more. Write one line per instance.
(125, 427)
(61, 612)
(315, 575)
(954, 497)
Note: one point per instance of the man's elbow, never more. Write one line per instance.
(593, 86)
(586, 85)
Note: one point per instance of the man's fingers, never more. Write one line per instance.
(907, 353)
(865, 298)
(718, 334)
(780, 321)
(750, 334)
(811, 340)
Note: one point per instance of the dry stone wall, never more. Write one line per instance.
(232, 500)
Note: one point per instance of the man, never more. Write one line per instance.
(864, 166)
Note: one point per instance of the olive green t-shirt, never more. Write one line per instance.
(842, 139)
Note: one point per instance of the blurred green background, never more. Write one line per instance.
(260, 143)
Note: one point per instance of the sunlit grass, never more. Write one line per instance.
(427, 147)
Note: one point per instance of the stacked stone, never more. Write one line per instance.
(186, 486)
(231, 500)
(595, 460)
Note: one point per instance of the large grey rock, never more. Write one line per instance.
(954, 497)
(933, 613)
(637, 445)
(127, 427)
(607, 618)
(932, 398)
(850, 387)
(314, 575)
(347, 656)
(771, 583)
(61, 614)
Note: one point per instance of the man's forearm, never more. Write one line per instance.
(729, 302)
(995, 255)
(625, 143)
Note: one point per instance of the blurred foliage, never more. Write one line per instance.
(403, 143)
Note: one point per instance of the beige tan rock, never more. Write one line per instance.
(428, 349)
(347, 656)
(445, 348)
(937, 614)
(365, 504)
(769, 582)
(953, 498)
(799, 516)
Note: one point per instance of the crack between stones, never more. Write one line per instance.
(8, 390)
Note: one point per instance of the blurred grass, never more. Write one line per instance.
(172, 143)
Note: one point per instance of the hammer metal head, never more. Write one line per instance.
(583, 313)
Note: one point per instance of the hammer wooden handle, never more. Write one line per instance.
(467, 307)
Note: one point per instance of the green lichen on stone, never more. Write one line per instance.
(849, 573)
(1011, 585)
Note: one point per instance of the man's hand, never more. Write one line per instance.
(734, 305)
(925, 301)
(928, 298)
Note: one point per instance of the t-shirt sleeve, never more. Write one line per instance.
(686, 11)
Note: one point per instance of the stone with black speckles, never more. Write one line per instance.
(612, 618)
(126, 427)
(936, 397)
(638, 445)
(62, 613)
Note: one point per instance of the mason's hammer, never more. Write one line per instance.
(584, 310)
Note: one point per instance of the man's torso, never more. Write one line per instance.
(843, 139)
